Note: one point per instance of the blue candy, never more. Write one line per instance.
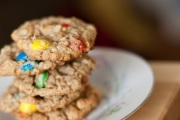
(22, 56)
(27, 67)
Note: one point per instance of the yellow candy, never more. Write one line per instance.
(28, 108)
(40, 44)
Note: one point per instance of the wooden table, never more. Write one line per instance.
(164, 102)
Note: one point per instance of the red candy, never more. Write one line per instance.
(82, 44)
(65, 25)
(79, 43)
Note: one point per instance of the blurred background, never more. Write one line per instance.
(149, 28)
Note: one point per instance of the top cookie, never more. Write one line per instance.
(55, 38)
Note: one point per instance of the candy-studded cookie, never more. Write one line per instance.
(65, 79)
(15, 101)
(77, 110)
(15, 62)
(55, 38)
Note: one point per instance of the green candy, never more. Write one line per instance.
(41, 80)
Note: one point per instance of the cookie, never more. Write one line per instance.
(15, 101)
(55, 38)
(65, 79)
(14, 62)
(77, 110)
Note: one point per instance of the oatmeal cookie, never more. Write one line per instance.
(77, 110)
(15, 62)
(65, 79)
(13, 101)
(55, 38)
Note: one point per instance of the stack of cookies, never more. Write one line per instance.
(49, 59)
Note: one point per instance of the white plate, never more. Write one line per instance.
(124, 79)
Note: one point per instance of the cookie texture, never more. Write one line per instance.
(65, 79)
(55, 38)
(13, 98)
(10, 66)
(77, 110)
(51, 67)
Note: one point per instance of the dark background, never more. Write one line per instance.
(15, 12)
(121, 24)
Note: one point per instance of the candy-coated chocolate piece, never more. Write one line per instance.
(22, 56)
(40, 44)
(27, 66)
(27, 108)
(65, 25)
(41, 80)
(82, 45)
